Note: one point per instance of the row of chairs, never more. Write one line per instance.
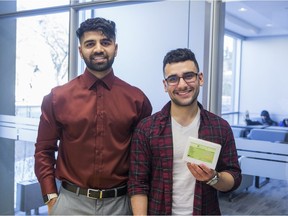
(272, 134)
(259, 133)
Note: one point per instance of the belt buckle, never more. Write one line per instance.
(91, 191)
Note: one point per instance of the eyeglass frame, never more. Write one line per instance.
(183, 77)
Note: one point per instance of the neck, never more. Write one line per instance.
(184, 115)
(100, 74)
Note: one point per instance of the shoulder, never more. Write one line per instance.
(123, 84)
(213, 119)
(62, 92)
(146, 123)
(153, 124)
(75, 83)
(157, 124)
(214, 128)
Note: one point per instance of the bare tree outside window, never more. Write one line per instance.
(42, 59)
(41, 64)
(55, 37)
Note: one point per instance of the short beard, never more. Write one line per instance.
(99, 67)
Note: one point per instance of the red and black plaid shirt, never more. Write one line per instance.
(151, 162)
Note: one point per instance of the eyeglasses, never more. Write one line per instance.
(188, 77)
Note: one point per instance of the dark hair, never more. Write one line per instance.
(107, 27)
(180, 55)
(265, 113)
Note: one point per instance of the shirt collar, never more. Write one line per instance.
(91, 80)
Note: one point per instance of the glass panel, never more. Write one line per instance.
(230, 89)
(138, 35)
(41, 64)
(41, 60)
(36, 4)
(83, 1)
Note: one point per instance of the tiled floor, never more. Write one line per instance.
(271, 199)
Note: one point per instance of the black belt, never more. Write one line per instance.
(95, 193)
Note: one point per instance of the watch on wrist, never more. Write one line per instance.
(214, 180)
(48, 197)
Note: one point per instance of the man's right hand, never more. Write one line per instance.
(51, 204)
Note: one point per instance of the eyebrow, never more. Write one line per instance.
(104, 39)
(185, 73)
(88, 41)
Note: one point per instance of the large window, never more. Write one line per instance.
(231, 79)
(41, 63)
(36, 4)
(37, 40)
(41, 59)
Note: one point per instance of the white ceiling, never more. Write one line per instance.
(261, 18)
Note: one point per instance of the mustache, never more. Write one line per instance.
(185, 89)
(98, 53)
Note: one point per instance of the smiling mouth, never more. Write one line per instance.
(183, 93)
(99, 59)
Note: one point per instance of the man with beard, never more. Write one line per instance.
(89, 121)
(160, 182)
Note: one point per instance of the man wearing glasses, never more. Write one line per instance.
(160, 182)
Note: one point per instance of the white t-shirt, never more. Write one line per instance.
(183, 180)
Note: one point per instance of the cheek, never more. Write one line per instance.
(83, 54)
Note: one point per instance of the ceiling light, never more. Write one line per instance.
(242, 9)
(241, 23)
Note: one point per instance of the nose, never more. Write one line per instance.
(181, 81)
(98, 48)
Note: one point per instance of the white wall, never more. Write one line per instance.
(145, 33)
(265, 77)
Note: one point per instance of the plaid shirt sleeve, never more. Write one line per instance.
(217, 130)
(151, 163)
(139, 161)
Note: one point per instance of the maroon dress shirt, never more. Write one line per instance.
(89, 123)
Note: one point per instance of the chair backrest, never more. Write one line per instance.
(268, 135)
(238, 132)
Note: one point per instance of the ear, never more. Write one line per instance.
(116, 49)
(80, 52)
(165, 86)
(201, 79)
